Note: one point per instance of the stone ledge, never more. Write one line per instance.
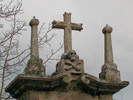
(83, 82)
(23, 83)
(93, 85)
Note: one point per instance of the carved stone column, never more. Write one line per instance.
(34, 65)
(109, 69)
(34, 37)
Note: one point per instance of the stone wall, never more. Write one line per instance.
(55, 95)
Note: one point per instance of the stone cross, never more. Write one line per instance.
(34, 37)
(68, 27)
(108, 45)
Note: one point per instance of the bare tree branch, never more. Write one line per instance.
(12, 57)
(52, 54)
(19, 55)
(7, 11)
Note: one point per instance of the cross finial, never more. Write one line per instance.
(68, 27)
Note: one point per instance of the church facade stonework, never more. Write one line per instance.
(69, 81)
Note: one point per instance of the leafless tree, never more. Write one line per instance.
(9, 42)
(12, 56)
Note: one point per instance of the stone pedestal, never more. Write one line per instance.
(35, 64)
(35, 67)
(109, 69)
(110, 73)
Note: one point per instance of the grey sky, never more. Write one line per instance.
(89, 43)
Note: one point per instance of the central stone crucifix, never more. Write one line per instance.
(68, 27)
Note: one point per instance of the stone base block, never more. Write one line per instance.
(55, 95)
(35, 67)
(106, 97)
(110, 75)
(68, 66)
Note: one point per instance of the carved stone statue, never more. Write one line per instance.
(70, 62)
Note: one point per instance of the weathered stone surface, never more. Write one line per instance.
(34, 38)
(69, 82)
(108, 44)
(94, 85)
(110, 74)
(35, 67)
(63, 82)
(68, 27)
(106, 97)
(109, 69)
(70, 62)
(55, 95)
(107, 29)
(26, 82)
(25, 96)
(35, 64)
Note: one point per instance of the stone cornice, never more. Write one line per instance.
(93, 85)
(84, 82)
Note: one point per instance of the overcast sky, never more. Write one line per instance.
(89, 43)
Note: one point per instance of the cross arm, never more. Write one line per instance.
(58, 24)
(76, 26)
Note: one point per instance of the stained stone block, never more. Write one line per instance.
(110, 73)
(70, 62)
(35, 67)
(25, 96)
(55, 95)
(75, 67)
(106, 97)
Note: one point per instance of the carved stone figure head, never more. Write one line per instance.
(71, 55)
